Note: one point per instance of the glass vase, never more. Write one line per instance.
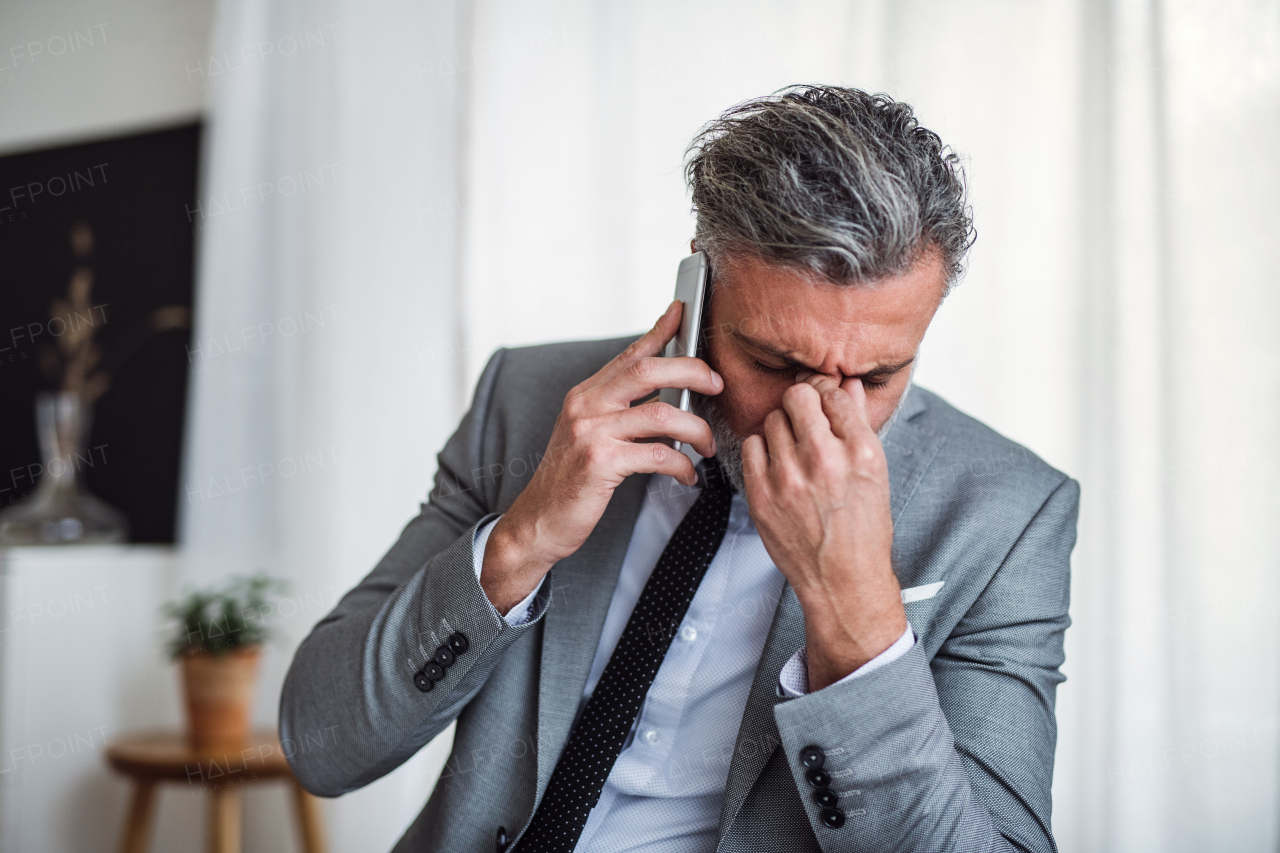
(61, 511)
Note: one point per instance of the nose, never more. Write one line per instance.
(840, 378)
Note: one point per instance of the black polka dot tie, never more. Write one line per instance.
(602, 729)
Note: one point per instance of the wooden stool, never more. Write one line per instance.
(149, 759)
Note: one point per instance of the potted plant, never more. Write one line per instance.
(218, 643)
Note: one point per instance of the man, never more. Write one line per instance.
(840, 630)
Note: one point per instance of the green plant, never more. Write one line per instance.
(215, 621)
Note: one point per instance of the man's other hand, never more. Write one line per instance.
(818, 487)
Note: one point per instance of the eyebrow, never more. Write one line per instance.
(883, 370)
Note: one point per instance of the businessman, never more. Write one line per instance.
(836, 624)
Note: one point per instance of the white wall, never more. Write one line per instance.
(133, 65)
(82, 662)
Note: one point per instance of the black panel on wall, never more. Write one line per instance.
(133, 193)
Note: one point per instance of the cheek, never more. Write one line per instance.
(878, 412)
(747, 398)
(748, 395)
(881, 407)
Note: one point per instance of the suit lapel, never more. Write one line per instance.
(909, 450)
(581, 588)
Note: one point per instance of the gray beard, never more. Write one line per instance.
(729, 445)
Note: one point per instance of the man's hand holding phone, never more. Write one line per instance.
(598, 441)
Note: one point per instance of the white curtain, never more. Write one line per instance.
(320, 393)
(509, 172)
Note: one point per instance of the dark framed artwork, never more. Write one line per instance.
(118, 208)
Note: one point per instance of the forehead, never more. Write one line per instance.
(807, 316)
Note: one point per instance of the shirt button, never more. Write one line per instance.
(688, 633)
(652, 736)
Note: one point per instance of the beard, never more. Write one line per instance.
(729, 443)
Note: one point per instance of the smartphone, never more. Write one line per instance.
(691, 289)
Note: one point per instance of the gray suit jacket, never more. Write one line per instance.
(948, 748)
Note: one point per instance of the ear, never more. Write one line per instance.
(693, 246)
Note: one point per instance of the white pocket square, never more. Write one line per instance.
(920, 593)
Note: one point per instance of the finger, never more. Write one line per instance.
(755, 467)
(653, 341)
(837, 405)
(780, 441)
(803, 405)
(664, 329)
(658, 419)
(858, 393)
(655, 458)
(648, 344)
(641, 378)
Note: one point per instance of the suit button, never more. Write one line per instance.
(458, 643)
(434, 671)
(833, 818)
(502, 839)
(817, 777)
(423, 683)
(826, 798)
(444, 657)
(812, 756)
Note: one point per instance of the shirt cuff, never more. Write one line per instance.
(794, 677)
(525, 610)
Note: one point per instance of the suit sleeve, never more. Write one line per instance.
(954, 754)
(350, 711)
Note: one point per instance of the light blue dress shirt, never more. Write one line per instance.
(667, 786)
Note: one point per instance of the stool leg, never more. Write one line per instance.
(224, 820)
(137, 827)
(308, 820)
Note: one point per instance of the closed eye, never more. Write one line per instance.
(772, 371)
(792, 369)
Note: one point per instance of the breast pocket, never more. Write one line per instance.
(920, 603)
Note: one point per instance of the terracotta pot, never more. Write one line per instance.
(219, 695)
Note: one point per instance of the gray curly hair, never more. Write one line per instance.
(832, 180)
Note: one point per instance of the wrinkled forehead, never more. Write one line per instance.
(819, 322)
